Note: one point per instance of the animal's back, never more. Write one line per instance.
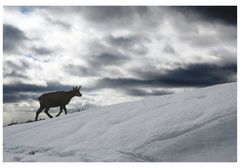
(53, 99)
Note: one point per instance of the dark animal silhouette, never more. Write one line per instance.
(56, 99)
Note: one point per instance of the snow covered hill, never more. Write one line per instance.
(195, 126)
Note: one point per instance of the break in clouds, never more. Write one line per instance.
(117, 53)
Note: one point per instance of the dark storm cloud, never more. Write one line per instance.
(101, 15)
(142, 92)
(124, 41)
(82, 71)
(13, 38)
(150, 16)
(58, 22)
(97, 12)
(96, 64)
(169, 49)
(18, 91)
(26, 9)
(14, 74)
(110, 13)
(221, 14)
(107, 58)
(192, 75)
(117, 17)
(17, 64)
(110, 83)
(15, 69)
(42, 50)
(19, 87)
(12, 98)
(133, 43)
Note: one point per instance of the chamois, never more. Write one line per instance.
(56, 99)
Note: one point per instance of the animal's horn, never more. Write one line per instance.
(80, 87)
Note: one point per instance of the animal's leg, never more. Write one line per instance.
(41, 108)
(59, 111)
(46, 111)
(65, 109)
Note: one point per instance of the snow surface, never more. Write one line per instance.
(195, 126)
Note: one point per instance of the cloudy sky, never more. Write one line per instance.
(118, 54)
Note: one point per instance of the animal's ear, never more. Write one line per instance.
(74, 88)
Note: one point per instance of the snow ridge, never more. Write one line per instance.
(195, 126)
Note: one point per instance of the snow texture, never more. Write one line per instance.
(195, 126)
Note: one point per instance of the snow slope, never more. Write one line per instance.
(195, 126)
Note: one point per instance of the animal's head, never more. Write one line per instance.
(76, 91)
